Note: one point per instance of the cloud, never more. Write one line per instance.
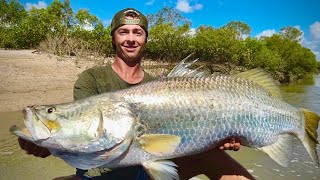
(266, 33)
(150, 2)
(106, 23)
(313, 43)
(192, 31)
(184, 6)
(39, 5)
(315, 30)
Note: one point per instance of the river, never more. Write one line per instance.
(15, 164)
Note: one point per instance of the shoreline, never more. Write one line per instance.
(29, 78)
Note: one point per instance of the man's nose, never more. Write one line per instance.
(131, 38)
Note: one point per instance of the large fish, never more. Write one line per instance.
(171, 117)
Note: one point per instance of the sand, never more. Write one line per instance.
(31, 78)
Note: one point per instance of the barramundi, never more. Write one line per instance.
(174, 116)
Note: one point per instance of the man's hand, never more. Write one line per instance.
(230, 144)
(33, 149)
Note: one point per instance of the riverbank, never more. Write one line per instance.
(28, 77)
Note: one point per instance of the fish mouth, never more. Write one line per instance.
(35, 124)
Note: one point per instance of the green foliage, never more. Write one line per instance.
(291, 33)
(217, 45)
(57, 29)
(165, 16)
(11, 15)
(242, 29)
(168, 42)
(296, 61)
(259, 55)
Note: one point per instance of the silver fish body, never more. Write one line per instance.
(168, 118)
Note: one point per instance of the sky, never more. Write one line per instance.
(264, 17)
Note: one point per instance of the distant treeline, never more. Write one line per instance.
(57, 29)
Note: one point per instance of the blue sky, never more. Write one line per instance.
(264, 17)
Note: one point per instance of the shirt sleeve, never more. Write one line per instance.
(85, 86)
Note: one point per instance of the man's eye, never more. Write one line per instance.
(123, 32)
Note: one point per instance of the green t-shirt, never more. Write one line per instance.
(95, 81)
(101, 79)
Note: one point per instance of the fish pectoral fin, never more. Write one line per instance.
(21, 133)
(262, 78)
(200, 177)
(159, 144)
(281, 150)
(161, 169)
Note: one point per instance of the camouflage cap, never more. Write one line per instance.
(129, 16)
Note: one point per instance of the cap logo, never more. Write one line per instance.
(131, 17)
(131, 21)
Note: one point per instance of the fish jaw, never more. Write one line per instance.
(35, 124)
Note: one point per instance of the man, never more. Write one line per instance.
(129, 31)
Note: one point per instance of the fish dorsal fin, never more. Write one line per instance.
(182, 69)
(159, 144)
(310, 139)
(161, 169)
(262, 78)
(280, 151)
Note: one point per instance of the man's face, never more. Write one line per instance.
(130, 41)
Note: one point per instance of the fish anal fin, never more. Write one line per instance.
(159, 144)
(281, 150)
(262, 78)
(161, 169)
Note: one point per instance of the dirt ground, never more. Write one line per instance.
(30, 78)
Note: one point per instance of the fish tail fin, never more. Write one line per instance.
(310, 139)
(162, 169)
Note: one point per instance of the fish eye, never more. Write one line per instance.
(50, 110)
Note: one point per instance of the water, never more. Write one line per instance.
(15, 164)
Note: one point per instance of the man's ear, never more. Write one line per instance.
(113, 43)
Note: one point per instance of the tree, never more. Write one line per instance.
(291, 33)
(11, 15)
(241, 28)
(165, 16)
(168, 42)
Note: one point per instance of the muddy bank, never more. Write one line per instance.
(29, 78)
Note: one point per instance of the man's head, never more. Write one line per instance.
(129, 34)
(129, 16)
